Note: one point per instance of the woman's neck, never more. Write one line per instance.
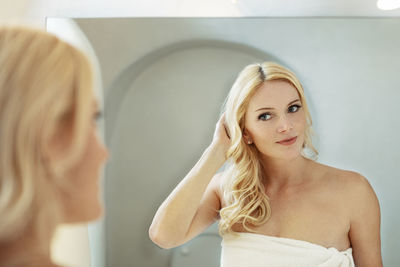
(285, 173)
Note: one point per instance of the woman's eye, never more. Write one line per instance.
(264, 116)
(97, 116)
(294, 108)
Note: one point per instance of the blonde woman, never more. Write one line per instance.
(50, 154)
(275, 204)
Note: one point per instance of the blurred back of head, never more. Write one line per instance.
(46, 88)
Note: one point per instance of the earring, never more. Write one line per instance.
(249, 142)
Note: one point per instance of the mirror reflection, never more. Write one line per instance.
(165, 82)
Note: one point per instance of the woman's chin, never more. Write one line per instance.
(290, 155)
(93, 214)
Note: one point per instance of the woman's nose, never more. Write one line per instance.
(102, 148)
(106, 153)
(284, 124)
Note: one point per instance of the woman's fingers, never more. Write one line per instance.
(221, 131)
(221, 138)
(223, 123)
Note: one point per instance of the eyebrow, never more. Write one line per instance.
(288, 104)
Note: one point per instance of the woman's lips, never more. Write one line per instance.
(288, 141)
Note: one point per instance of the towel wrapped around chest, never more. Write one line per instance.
(257, 250)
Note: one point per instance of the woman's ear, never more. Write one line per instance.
(58, 142)
(246, 136)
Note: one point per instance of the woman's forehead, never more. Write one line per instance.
(274, 94)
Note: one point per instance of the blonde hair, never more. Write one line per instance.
(242, 184)
(46, 87)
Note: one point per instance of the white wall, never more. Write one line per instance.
(35, 11)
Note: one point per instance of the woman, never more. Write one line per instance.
(50, 153)
(276, 205)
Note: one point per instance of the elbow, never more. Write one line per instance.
(160, 240)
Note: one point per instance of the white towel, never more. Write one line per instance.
(257, 250)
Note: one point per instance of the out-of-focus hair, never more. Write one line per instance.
(46, 87)
(242, 184)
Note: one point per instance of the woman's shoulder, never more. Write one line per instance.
(350, 189)
(348, 181)
(217, 183)
(31, 261)
(340, 175)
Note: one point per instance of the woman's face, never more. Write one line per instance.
(82, 201)
(275, 113)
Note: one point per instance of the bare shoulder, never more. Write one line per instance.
(355, 193)
(360, 193)
(354, 187)
(217, 183)
(346, 179)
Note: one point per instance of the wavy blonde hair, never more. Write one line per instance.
(243, 189)
(46, 88)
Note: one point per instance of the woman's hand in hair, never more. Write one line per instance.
(221, 140)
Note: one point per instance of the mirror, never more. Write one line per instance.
(164, 82)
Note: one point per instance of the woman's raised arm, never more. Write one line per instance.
(190, 203)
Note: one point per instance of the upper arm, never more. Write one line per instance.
(364, 222)
(208, 210)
